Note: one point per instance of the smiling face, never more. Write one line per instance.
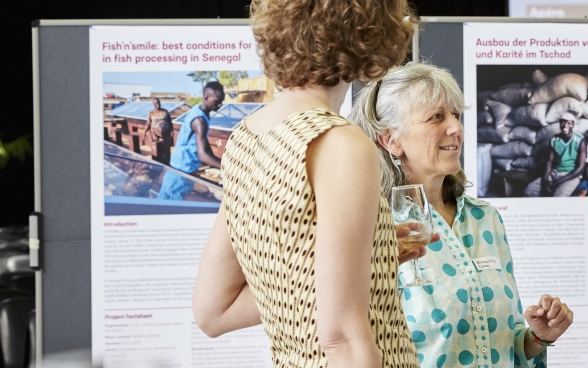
(567, 126)
(429, 144)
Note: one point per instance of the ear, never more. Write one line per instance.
(390, 144)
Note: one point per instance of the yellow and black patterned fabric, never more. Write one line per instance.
(271, 217)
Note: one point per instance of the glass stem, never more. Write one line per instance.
(417, 270)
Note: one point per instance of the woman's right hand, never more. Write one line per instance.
(405, 255)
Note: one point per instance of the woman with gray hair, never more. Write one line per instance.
(472, 314)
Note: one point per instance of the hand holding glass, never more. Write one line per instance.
(410, 209)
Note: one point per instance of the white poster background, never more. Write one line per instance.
(548, 236)
(131, 328)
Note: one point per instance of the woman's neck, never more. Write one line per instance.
(434, 191)
(330, 98)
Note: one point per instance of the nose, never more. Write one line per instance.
(454, 126)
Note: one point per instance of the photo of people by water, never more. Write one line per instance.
(165, 133)
(532, 130)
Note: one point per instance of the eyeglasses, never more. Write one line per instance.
(567, 122)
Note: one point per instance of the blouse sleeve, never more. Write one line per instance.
(539, 361)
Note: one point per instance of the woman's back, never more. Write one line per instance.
(272, 222)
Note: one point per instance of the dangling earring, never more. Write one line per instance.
(395, 160)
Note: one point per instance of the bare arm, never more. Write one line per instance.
(200, 128)
(549, 165)
(148, 127)
(343, 169)
(169, 121)
(580, 162)
(222, 301)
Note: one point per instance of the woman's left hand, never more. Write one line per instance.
(550, 318)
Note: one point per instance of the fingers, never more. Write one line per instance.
(435, 238)
(544, 304)
(554, 308)
(413, 254)
(405, 229)
(402, 231)
(405, 257)
(563, 318)
(531, 313)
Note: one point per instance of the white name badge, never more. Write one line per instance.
(487, 263)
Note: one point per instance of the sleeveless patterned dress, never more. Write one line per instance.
(271, 217)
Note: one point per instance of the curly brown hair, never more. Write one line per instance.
(324, 41)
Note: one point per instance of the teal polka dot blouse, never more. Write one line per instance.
(470, 317)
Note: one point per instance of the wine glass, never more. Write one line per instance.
(410, 208)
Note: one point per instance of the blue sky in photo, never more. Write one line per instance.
(162, 81)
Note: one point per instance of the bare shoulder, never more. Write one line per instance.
(348, 141)
(341, 154)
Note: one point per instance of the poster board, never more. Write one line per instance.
(125, 226)
(63, 180)
(548, 235)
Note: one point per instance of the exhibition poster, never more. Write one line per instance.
(164, 100)
(526, 86)
(154, 198)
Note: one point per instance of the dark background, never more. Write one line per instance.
(16, 179)
(491, 77)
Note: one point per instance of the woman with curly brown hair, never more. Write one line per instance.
(304, 241)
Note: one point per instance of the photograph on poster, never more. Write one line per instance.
(532, 129)
(165, 133)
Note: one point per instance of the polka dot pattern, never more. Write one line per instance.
(478, 213)
(495, 356)
(466, 357)
(488, 293)
(449, 270)
(438, 315)
(462, 295)
(483, 317)
(441, 360)
(517, 361)
(407, 294)
(488, 237)
(511, 323)
(271, 218)
(418, 336)
(446, 330)
(429, 289)
(463, 327)
(468, 240)
(436, 246)
(492, 324)
(508, 292)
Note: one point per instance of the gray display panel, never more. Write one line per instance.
(63, 167)
(65, 186)
(441, 44)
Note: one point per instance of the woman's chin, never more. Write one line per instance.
(452, 170)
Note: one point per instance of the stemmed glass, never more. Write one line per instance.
(410, 209)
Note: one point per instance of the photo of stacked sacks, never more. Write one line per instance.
(515, 123)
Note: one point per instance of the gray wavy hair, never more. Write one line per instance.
(386, 108)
